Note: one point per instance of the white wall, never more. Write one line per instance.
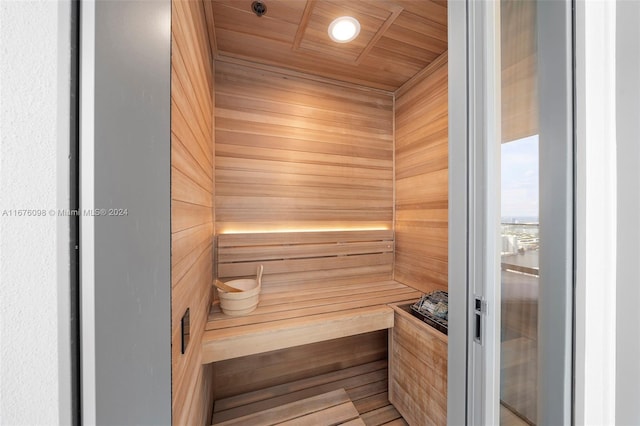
(596, 201)
(608, 284)
(29, 246)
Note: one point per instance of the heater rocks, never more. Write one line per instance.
(433, 308)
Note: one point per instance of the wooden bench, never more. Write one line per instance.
(317, 286)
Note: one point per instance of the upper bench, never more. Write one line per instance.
(316, 286)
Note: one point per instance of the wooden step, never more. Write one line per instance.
(331, 408)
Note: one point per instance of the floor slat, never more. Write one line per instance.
(372, 402)
(352, 396)
(292, 410)
(330, 416)
(397, 422)
(356, 381)
(354, 422)
(286, 388)
(380, 416)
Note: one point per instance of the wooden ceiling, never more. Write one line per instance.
(398, 38)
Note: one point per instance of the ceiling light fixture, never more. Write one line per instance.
(344, 29)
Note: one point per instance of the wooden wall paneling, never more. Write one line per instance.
(421, 173)
(295, 153)
(194, 76)
(192, 216)
(189, 293)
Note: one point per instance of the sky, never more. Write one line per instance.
(520, 194)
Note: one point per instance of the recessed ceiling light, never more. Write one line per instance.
(344, 29)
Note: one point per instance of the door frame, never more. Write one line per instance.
(474, 212)
(125, 204)
(457, 238)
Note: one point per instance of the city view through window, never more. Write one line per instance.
(519, 209)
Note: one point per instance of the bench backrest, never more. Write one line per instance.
(293, 257)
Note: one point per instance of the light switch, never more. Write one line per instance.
(184, 325)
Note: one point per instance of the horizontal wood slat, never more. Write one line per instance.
(302, 265)
(295, 153)
(422, 179)
(284, 238)
(299, 252)
(285, 281)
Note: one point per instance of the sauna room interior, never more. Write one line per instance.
(327, 163)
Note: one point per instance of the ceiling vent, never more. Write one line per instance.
(259, 8)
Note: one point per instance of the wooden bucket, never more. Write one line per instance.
(241, 302)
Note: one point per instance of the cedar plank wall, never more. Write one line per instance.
(295, 153)
(192, 216)
(421, 174)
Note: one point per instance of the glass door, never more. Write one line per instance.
(520, 212)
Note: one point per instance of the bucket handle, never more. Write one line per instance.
(259, 274)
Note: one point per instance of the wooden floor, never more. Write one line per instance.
(351, 396)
